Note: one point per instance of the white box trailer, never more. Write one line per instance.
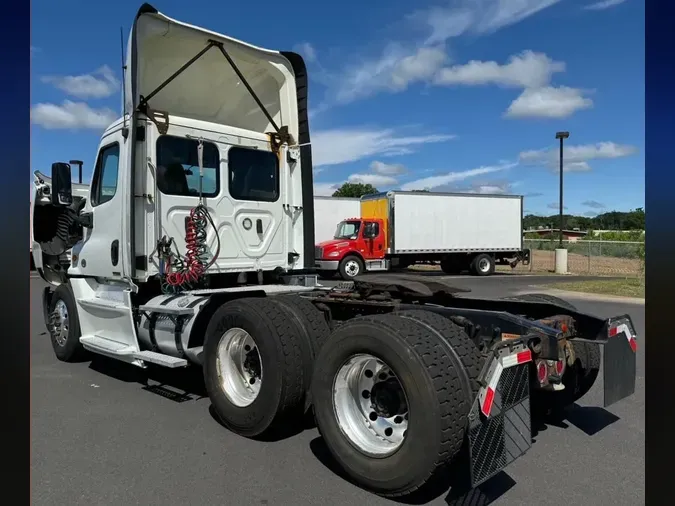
(398, 229)
(329, 211)
(424, 222)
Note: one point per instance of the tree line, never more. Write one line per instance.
(612, 220)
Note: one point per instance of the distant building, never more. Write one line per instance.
(568, 235)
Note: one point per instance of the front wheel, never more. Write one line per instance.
(63, 325)
(389, 403)
(350, 267)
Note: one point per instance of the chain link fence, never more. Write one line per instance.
(610, 258)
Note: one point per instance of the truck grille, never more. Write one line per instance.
(318, 253)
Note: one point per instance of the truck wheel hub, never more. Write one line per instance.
(371, 405)
(239, 367)
(60, 323)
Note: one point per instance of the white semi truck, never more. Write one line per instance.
(398, 229)
(195, 248)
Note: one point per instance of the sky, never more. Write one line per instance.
(444, 95)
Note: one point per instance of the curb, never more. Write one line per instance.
(584, 296)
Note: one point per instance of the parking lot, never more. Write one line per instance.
(101, 436)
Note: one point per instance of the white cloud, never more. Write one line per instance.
(590, 214)
(99, 84)
(333, 147)
(374, 179)
(555, 205)
(593, 204)
(601, 6)
(307, 51)
(387, 169)
(394, 71)
(525, 70)
(433, 182)
(548, 102)
(71, 115)
(325, 189)
(475, 16)
(576, 158)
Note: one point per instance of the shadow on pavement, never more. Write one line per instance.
(589, 419)
(454, 481)
(178, 385)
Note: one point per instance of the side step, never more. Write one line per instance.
(113, 349)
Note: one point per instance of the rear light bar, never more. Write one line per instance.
(519, 355)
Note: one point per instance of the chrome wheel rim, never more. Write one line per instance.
(239, 367)
(484, 265)
(352, 268)
(60, 323)
(370, 405)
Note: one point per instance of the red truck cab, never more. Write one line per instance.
(357, 245)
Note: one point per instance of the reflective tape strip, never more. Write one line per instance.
(613, 331)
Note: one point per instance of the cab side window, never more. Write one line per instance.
(371, 230)
(104, 185)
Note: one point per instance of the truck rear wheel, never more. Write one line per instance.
(350, 266)
(390, 403)
(256, 365)
(483, 265)
(64, 326)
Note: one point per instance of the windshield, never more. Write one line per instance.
(348, 230)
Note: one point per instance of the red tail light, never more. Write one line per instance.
(542, 372)
(560, 367)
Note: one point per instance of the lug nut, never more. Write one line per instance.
(372, 416)
(247, 348)
(368, 373)
(383, 376)
(388, 431)
(398, 419)
(365, 394)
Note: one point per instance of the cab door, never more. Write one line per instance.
(100, 252)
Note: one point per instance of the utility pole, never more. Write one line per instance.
(562, 136)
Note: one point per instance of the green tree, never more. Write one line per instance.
(355, 190)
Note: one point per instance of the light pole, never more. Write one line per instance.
(562, 136)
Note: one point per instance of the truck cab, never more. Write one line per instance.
(357, 246)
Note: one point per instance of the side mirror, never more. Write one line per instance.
(62, 186)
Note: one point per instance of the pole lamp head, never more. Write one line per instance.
(562, 135)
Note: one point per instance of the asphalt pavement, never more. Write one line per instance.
(103, 435)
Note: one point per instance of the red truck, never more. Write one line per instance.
(398, 229)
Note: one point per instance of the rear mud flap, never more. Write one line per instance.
(619, 341)
(619, 359)
(496, 441)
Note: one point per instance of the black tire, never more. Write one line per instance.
(71, 350)
(483, 265)
(451, 265)
(459, 344)
(342, 269)
(286, 363)
(433, 386)
(312, 320)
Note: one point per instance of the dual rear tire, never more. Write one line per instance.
(391, 393)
